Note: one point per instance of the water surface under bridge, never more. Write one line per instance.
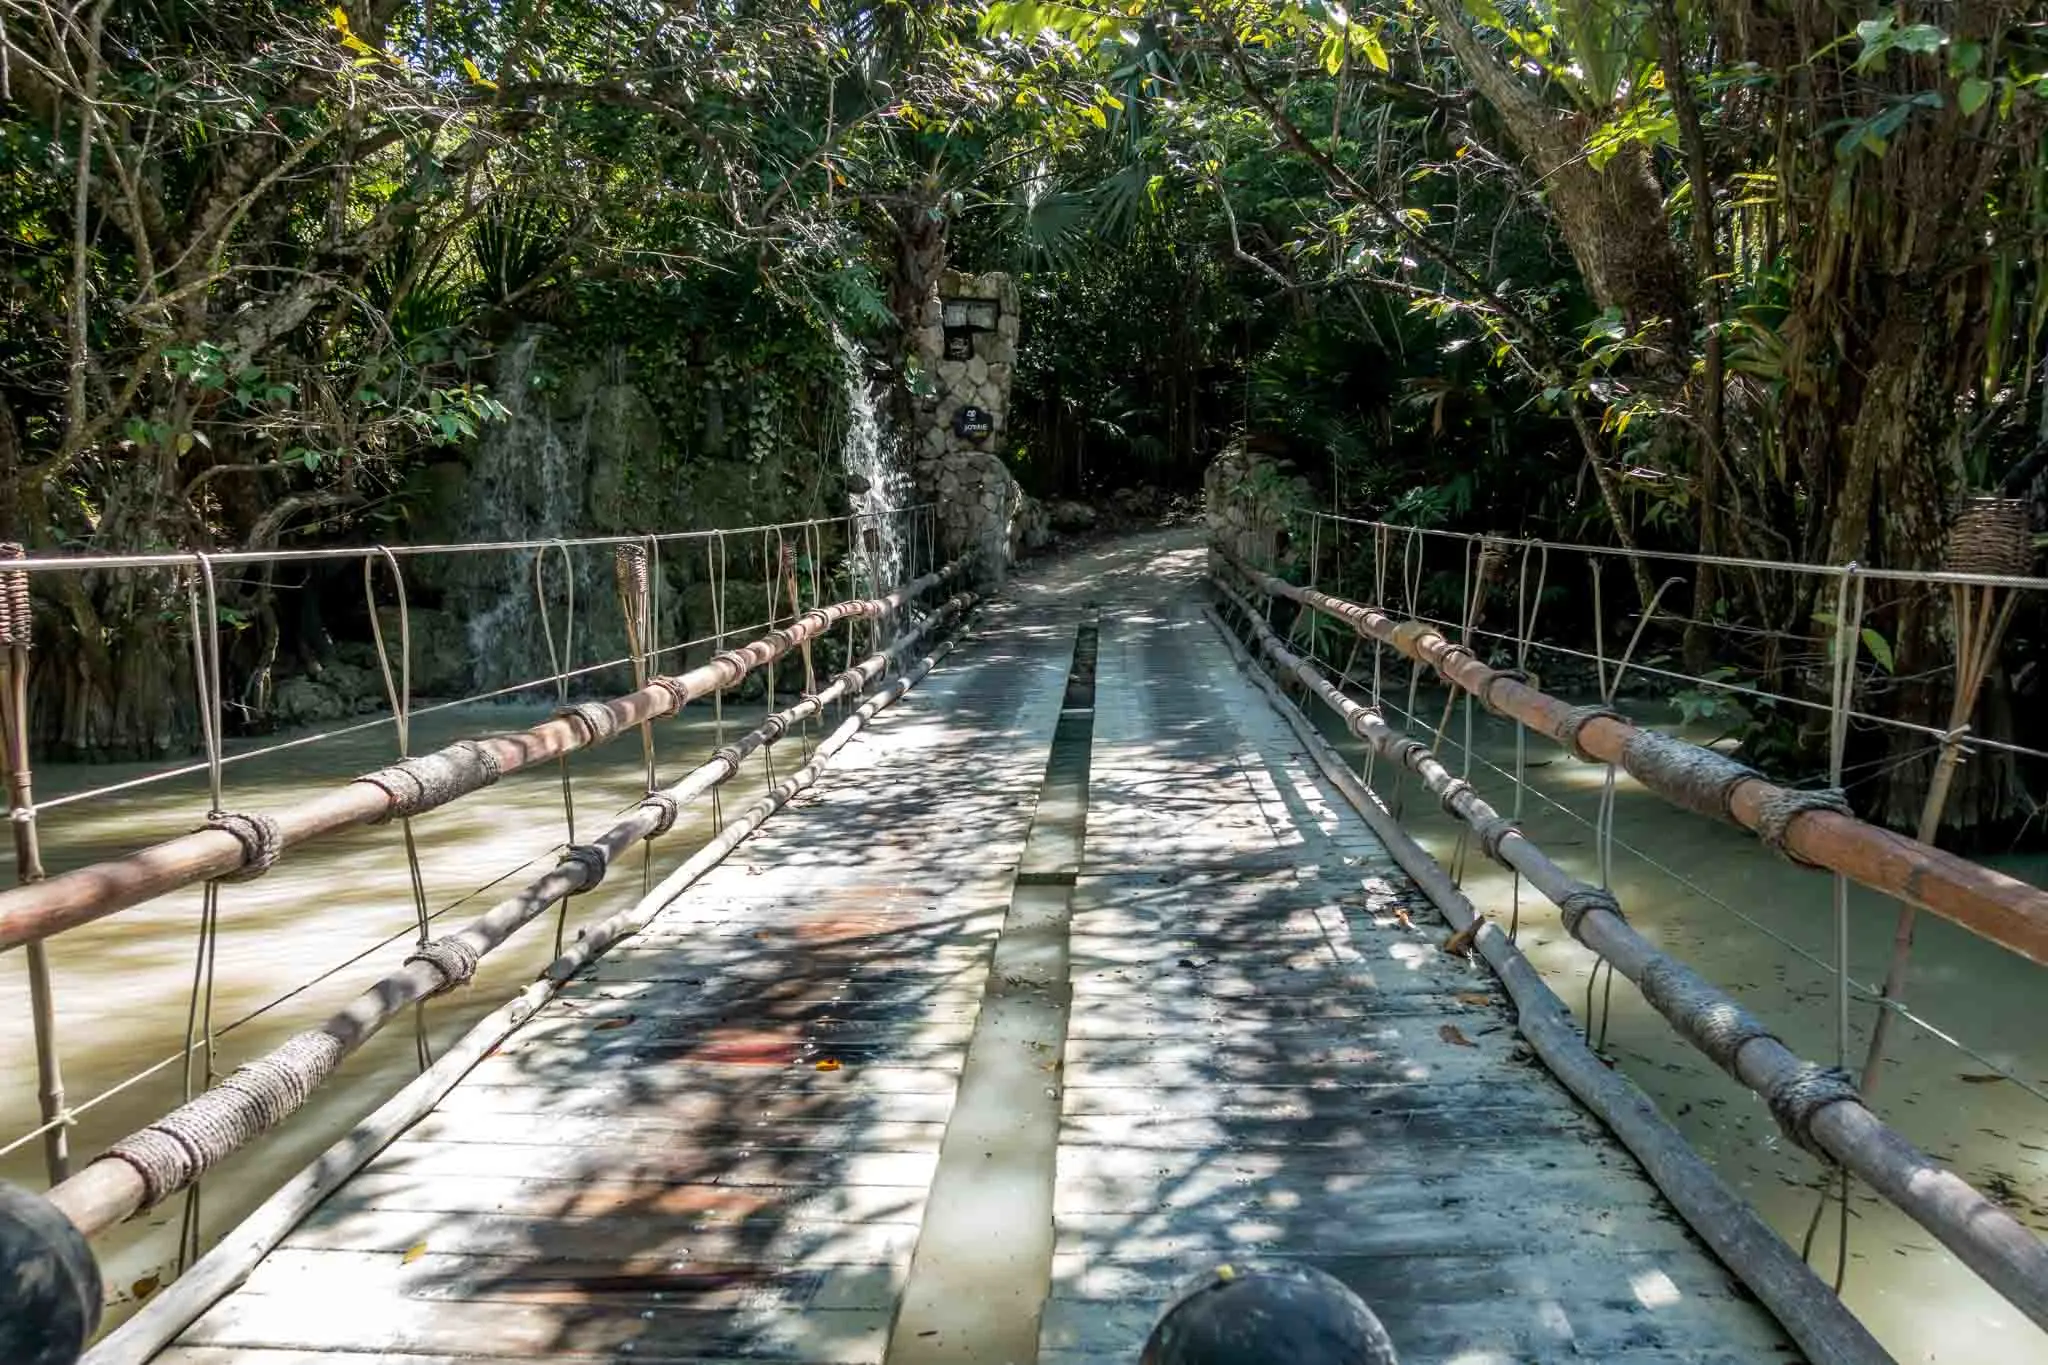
(1072, 978)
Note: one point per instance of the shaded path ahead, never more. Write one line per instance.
(926, 1072)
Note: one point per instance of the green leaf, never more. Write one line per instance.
(1369, 43)
(1880, 648)
(1972, 93)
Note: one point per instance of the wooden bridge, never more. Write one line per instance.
(1081, 970)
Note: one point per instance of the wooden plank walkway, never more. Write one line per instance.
(721, 1144)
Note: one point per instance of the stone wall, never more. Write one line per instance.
(1249, 498)
(980, 505)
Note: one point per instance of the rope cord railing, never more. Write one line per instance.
(1831, 571)
(1816, 1318)
(150, 779)
(1818, 1107)
(186, 559)
(1801, 824)
(73, 1276)
(79, 1110)
(1965, 740)
(1865, 991)
(144, 1168)
(32, 912)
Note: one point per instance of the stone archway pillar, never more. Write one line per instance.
(956, 464)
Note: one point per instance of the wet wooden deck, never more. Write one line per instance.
(722, 1144)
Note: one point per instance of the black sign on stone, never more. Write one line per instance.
(973, 424)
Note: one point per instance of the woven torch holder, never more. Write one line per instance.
(1991, 535)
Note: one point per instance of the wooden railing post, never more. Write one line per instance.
(16, 633)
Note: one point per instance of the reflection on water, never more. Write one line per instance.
(329, 919)
(1922, 1302)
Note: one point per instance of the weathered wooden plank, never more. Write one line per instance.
(1164, 977)
(329, 1323)
(1113, 1016)
(1455, 1169)
(1243, 1186)
(642, 1163)
(1416, 1039)
(600, 1198)
(236, 1355)
(794, 999)
(1568, 1354)
(1649, 1279)
(860, 1132)
(1356, 1066)
(673, 1074)
(672, 1239)
(769, 1045)
(1343, 1126)
(1304, 1101)
(623, 1279)
(680, 1098)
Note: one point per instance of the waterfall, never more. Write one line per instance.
(871, 456)
(526, 483)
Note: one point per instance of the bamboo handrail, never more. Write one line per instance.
(29, 913)
(2009, 1257)
(1995, 907)
(111, 1188)
(167, 1314)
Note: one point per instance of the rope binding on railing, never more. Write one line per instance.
(598, 720)
(1582, 900)
(1700, 779)
(259, 837)
(1574, 723)
(1776, 812)
(17, 612)
(172, 1152)
(454, 959)
(421, 783)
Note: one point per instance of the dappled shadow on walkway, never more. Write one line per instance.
(1272, 1057)
(718, 1142)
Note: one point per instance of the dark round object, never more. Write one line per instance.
(1263, 1315)
(49, 1283)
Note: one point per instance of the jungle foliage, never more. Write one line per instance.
(1758, 277)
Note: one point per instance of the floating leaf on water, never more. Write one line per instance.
(146, 1286)
(829, 1064)
(1451, 1033)
(414, 1252)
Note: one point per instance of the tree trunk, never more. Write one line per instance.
(1612, 218)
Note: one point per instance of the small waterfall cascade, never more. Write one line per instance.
(872, 457)
(526, 482)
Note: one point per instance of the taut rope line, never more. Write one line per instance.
(400, 695)
(558, 661)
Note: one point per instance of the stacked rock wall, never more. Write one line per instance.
(1249, 498)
